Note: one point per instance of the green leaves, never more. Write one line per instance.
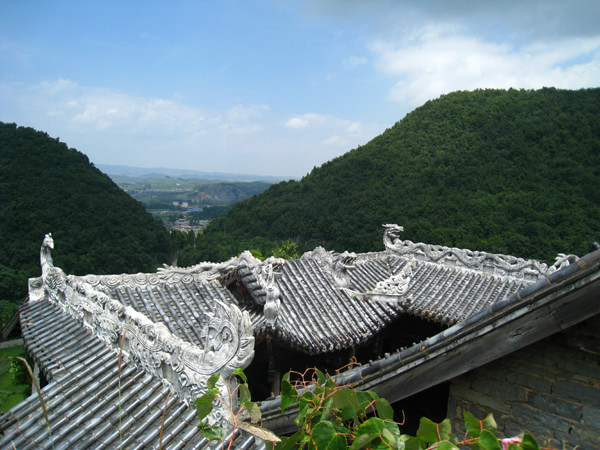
(205, 403)
(253, 411)
(430, 432)
(325, 436)
(336, 417)
(528, 443)
(487, 441)
(333, 417)
(475, 426)
(346, 402)
(215, 433)
(289, 394)
(378, 433)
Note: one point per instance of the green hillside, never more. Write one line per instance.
(47, 187)
(514, 171)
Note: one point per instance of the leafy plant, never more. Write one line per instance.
(239, 405)
(336, 417)
(331, 416)
(480, 435)
(287, 250)
(18, 371)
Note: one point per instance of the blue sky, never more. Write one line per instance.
(270, 87)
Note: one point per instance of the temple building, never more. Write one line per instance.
(435, 330)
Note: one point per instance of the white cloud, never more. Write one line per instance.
(333, 131)
(296, 122)
(116, 128)
(353, 62)
(93, 108)
(436, 61)
(425, 49)
(243, 112)
(334, 141)
(107, 110)
(314, 120)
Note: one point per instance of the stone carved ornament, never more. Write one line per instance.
(208, 270)
(260, 278)
(394, 289)
(497, 264)
(391, 290)
(227, 341)
(340, 264)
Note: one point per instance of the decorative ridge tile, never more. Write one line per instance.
(228, 342)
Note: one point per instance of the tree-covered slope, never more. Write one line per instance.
(47, 187)
(515, 172)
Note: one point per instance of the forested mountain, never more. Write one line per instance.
(514, 171)
(47, 187)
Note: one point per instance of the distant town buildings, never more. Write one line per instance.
(185, 225)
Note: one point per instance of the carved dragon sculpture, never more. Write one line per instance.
(391, 235)
(340, 267)
(54, 278)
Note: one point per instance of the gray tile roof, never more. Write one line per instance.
(330, 301)
(442, 293)
(182, 304)
(90, 402)
(554, 303)
(123, 354)
(327, 300)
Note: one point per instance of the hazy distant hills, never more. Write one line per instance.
(514, 172)
(47, 187)
(111, 170)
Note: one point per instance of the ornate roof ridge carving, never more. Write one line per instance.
(338, 263)
(492, 263)
(227, 342)
(162, 276)
(259, 278)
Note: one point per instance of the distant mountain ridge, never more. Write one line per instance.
(110, 169)
(514, 172)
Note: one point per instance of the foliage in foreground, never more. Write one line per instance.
(15, 384)
(335, 417)
(239, 405)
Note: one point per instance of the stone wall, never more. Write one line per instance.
(550, 389)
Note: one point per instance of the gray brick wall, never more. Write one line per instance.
(550, 389)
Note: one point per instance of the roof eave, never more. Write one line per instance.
(566, 298)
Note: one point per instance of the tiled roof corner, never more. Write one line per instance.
(226, 340)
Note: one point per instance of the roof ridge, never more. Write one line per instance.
(491, 263)
(227, 342)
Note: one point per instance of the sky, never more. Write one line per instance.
(270, 87)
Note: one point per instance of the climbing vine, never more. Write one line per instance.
(242, 412)
(337, 417)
